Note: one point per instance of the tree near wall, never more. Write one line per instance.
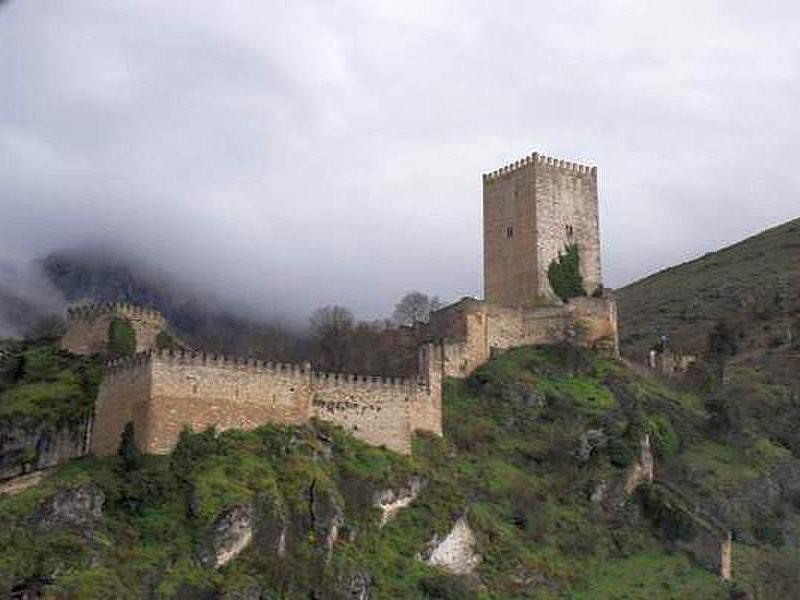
(331, 333)
(415, 307)
(121, 338)
(128, 451)
(564, 274)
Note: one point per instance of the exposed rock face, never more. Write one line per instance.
(599, 492)
(592, 440)
(271, 525)
(643, 468)
(230, 534)
(250, 593)
(327, 516)
(356, 585)
(26, 449)
(392, 501)
(455, 553)
(81, 506)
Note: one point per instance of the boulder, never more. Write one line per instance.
(77, 507)
(230, 534)
(455, 553)
(391, 501)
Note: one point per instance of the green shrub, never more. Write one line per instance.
(128, 452)
(121, 338)
(666, 514)
(165, 341)
(564, 274)
(446, 587)
(665, 439)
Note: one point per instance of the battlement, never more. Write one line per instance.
(90, 312)
(251, 365)
(202, 359)
(344, 379)
(537, 159)
(88, 326)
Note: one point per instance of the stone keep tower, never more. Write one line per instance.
(532, 210)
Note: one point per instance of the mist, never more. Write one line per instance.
(282, 157)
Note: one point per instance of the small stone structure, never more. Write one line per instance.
(467, 333)
(160, 392)
(533, 209)
(88, 326)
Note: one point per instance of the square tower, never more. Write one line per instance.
(533, 210)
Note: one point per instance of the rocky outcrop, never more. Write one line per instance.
(589, 443)
(455, 553)
(643, 468)
(391, 501)
(356, 585)
(77, 507)
(271, 526)
(327, 516)
(231, 533)
(24, 448)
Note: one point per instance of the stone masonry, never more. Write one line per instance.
(87, 326)
(468, 333)
(161, 392)
(533, 210)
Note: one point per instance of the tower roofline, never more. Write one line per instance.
(540, 159)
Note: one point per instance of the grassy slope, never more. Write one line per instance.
(755, 282)
(41, 384)
(507, 460)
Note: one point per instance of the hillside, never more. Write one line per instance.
(752, 286)
(531, 473)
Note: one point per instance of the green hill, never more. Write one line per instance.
(537, 447)
(752, 286)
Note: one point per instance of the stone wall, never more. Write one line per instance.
(510, 236)
(228, 394)
(161, 392)
(124, 395)
(567, 213)
(87, 327)
(468, 332)
(532, 210)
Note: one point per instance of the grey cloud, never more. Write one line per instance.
(296, 154)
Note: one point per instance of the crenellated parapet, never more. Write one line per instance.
(349, 379)
(90, 312)
(540, 160)
(88, 326)
(208, 360)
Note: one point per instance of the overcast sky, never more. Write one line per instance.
(294, 154)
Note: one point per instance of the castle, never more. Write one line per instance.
(534, 209)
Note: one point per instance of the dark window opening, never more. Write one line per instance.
(509, 232)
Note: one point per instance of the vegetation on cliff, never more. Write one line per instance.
(41, 384)
(538, 444)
